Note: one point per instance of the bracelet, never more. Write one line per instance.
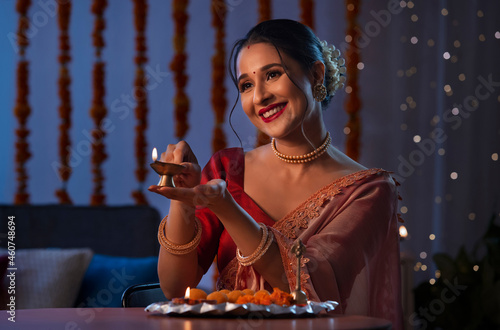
(265, 243)
(176, 248)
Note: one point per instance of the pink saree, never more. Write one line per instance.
(349, 228)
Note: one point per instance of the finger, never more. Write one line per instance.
(191, 168)
(212, 188)
(185, 195)
(168, 156)
(184, 153)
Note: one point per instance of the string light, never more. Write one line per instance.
(432, 237)
(454, 175)
(472, 216)
(435, 120)
(403, 232)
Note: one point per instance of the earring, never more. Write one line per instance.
(319, 92)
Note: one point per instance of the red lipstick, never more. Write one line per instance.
(273, 116)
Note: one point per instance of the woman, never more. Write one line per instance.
(249, 208)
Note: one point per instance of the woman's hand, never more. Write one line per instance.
(181, 153)
(210, 195)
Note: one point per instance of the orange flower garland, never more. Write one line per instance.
(64, 12)
(352, 104)
(307, 13)
(264, 15)
(219, 102)
(178, 66)
(22, 108)
(264, 10)
(141, 109)
(98, 109)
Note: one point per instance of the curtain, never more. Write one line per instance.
(420, 60)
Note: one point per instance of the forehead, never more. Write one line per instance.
(254, 56)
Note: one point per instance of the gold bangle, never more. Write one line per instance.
(265, 243)
(176, 248)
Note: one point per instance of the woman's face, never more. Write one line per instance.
(274, 104)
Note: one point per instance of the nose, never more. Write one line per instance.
(261, 94)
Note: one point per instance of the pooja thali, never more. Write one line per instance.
(231, 310)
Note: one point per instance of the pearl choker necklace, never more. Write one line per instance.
(303, 158)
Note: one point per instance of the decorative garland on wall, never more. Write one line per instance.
(63, 14)
(352, 104)
(178, 66)
(218, 98)
(264, 15)
(264, 10)
(22, 109)
(98, 109)
(140, 92)
(307, 12)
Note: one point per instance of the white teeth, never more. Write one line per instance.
(271, 112)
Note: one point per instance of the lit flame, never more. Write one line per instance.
(403, 233)
(155, 154)
(188, 292)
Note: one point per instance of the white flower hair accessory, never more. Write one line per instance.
(334, 68)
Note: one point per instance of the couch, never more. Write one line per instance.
(76, 256)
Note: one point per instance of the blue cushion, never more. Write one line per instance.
(107, 277)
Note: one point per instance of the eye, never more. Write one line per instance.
(273, 74)
(244, 86)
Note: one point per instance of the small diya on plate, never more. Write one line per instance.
(191, 301)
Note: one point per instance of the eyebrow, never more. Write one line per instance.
(264, 68)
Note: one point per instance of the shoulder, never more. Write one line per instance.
(225, 163)
(375, 181)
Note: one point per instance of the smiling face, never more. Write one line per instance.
(272, 102)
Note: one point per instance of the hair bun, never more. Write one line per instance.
(334, 68)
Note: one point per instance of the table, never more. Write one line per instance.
(137, 318)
